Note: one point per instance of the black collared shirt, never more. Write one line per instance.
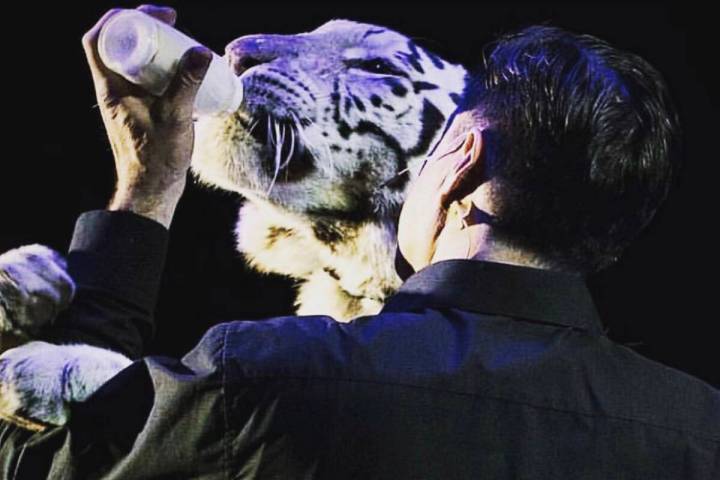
(472, 370)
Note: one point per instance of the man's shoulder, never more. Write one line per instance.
(275, 346)
(317, 345)
(635, 387)
(470, 354)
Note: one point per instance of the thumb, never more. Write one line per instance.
(180, 94)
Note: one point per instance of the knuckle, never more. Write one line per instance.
(147, 8)
(91, 35)
(87, 40)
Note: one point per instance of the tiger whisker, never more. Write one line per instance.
(292, 147)
(278, 153)
(270, 139)
(392, 179)
(253, 124)
(303, 143)
(325, 145)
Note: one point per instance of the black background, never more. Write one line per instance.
(660, 298)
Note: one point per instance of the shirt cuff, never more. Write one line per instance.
(116, 259)
(121, 252)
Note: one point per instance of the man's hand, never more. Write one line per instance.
(151, 137)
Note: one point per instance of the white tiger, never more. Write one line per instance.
(334, 125)
(34, 287)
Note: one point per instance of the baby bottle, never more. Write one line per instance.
(146, 52)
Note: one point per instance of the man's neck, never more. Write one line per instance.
(476, 243)
(500, 253)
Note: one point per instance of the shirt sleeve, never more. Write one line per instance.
(116, 260)
(123, 430)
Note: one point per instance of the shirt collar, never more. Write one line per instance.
(496, 288)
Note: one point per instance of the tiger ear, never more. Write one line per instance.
(466, 173)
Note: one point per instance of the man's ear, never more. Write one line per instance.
(467, 170)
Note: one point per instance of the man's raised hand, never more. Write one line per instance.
(151, 137)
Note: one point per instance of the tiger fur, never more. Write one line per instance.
(358, 106)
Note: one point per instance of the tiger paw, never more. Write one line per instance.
(39, 380)
(34, 287)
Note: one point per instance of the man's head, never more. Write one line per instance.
(563, 150)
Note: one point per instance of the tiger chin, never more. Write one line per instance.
(332, 129)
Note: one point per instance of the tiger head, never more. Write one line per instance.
(333, 122)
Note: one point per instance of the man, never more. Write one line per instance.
(490, 362)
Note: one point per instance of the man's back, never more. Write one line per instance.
(428, 391)
(473, 370)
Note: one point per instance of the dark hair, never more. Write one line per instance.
(580, 144)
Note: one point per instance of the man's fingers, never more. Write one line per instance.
(90, 39)
(108, 84)
(164, 14)
(179, 98)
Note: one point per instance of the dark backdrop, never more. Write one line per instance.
(659, 299)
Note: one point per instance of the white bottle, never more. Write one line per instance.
(146, 51)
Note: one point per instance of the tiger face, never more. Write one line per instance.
(333, 121)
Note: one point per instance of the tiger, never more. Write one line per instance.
(34, 287)
(333, 128)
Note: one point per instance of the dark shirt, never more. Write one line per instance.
(472, 370)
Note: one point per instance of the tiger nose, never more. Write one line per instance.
(246, 52)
